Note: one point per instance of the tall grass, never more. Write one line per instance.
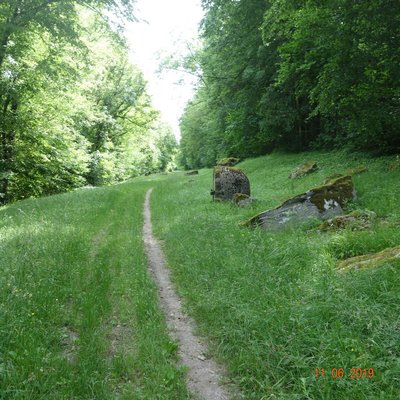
(79, 315)
(271, 304)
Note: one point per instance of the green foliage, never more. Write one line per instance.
(70, 102)
(339, 56)
(294, 75)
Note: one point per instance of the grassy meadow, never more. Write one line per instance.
(79, 317)
(271, 304)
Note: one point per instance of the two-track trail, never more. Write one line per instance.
(204, 374)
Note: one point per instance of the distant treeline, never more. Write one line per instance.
(73, 110)
(294, 75)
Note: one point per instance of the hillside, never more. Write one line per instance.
(79, 312)
(272, 303)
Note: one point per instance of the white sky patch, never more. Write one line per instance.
(165, 27)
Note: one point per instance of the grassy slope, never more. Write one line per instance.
(271, 304)
(78, 313)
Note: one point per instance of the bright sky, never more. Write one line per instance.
(164, 28)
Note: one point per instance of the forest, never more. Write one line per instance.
(294, 75)
(73, 110)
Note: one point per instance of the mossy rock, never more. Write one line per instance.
(339, 190)
(189, 173)
(321, 202)
(395, 165)
(331, 178)
(370, 260)
(228, 182)
(237, 197)
(304, 169)
(357, 170)
(242, 200)
(357, 220)
(228, 162)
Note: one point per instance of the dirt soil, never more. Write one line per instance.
(204, 375)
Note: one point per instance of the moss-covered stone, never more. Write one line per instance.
(228, 162)
(357, 170)
(239, 197)
(304, 169)
(356, 221)
(339, 190)
(229, 181)
(321, 202)
(370, 260)
(242, 200)
(395, 165)
(331, 178)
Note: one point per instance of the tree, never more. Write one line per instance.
(295, 74)
(73, 109)
(24, 24)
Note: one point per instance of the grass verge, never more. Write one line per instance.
(271, 304)
(79, 315)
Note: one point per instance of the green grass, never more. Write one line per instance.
(79, 315)
(271, 304)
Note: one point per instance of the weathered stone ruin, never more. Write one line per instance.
(229, 181)
(321, 202)
(304, 169)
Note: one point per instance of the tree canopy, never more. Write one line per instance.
(294, 75)
(73, 109)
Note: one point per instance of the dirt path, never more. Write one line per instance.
(204, 374)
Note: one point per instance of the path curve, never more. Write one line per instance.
(203, 374)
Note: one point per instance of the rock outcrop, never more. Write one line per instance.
(370, 260)
(332, 178)
(229, 181)
(357, 170)
(321, 202)
(304, 169)
(356, 221)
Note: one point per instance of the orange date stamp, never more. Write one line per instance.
(341, 373)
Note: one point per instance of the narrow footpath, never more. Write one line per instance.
(204, 375)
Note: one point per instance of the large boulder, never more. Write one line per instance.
(321, 202)
(229, 181)
(370, 260)
(304, 169)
